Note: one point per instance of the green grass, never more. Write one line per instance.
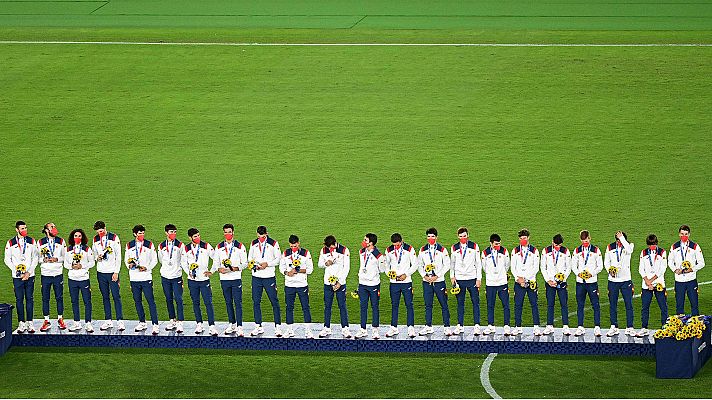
(198, 373)
(347, 140)
(239, 374)
(592, 377)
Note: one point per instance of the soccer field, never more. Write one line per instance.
(345, 140)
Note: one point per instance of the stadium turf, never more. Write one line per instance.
(347, 140)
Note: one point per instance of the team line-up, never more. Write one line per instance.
(464, 261)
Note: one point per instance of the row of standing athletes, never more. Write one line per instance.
(465, 262)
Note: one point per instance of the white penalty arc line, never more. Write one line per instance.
(573, 313)
(244, 44)
(484, 376)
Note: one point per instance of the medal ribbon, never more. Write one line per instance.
(524, 256)
(556, 260)
(196, 254)
(138, 249)
(170, 253)
(683, 254)
(494, 260)
(24, 245)
(232, 247)
(434, 248)
(365, 259)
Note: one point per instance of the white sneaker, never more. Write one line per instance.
(643, 332)
(75, 326)
(106, 326)
(239, 331)
(213, 331)
(308, 334)
(375, 334)
(120, 326)
(411, 331)
(597, 331)
(517, 331)
(566, 331)
(199, 328)
(507, 331)
(30, 326)
(459, 330)
(140, 327)
(257, 331)
(171, 325)
(427, 330)
(548, 330)
(277, 331)
(580, 331)
(489, 330)
(89, 327)
(21, 328)
(630, 331)
(325, 332)
(229, 330)
(289, 332)
(361, 333)
(156, 329)
(393, 331)
(447, 331)
(537, 331)
(345, 332)
(477, 330)
(179, 326)
(613, 331)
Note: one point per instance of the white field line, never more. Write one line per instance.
(484, 376)
(358, 44)
(620, 300)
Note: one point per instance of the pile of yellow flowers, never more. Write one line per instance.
(585, 274)
(686, 266)
(681, 327)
